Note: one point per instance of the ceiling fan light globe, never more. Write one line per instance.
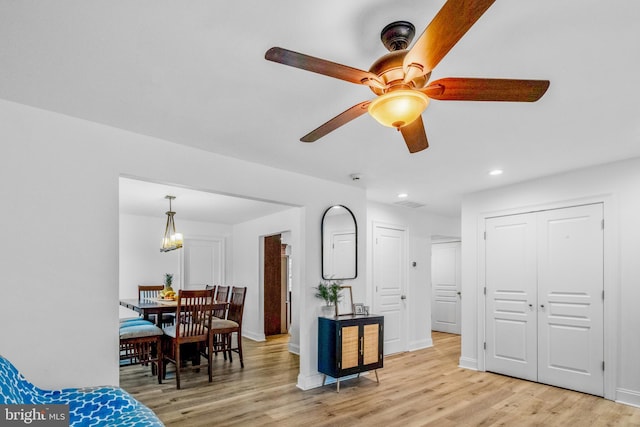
(398, 108)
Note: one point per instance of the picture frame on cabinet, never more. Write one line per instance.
(344, 306)
(358, 308)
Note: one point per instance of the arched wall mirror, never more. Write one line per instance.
(339, 244)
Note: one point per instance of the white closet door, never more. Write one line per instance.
(544, 302)
(570, 304)
(511, 347)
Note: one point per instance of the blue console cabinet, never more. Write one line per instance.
(349, 345)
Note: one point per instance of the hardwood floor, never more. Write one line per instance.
(421, 388)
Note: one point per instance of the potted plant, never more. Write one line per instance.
(330, 293)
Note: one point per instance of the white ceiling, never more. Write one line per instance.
(148, 199)
(194, 73)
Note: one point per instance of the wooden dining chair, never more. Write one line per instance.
(222, 295)
(149, 291)
(152, 292)
(213, 288)
(225, 328)
(194, 311)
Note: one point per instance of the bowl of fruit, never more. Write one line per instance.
(171, 295)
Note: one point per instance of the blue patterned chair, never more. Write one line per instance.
(95, 406)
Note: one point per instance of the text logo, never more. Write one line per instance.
(34, 415)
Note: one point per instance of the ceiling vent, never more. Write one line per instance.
(409, 204)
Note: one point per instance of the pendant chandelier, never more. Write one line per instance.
(171, 239)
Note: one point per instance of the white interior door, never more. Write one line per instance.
(445, 280)
(389, 277)
(202, 263)
(570, 299)
(511, 328)
(544, 302)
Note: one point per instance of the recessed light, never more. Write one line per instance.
(496, 172)
(403, 195)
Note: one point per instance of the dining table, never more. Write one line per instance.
(148, 307)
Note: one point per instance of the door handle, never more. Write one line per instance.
(459, 293)
(403, 297)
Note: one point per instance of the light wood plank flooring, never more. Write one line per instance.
(421, 388)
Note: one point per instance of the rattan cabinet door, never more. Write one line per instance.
(370, 344)
(350, 347)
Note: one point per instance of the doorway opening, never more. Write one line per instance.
(277, 289)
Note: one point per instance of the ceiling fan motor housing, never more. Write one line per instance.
(390, 69)
(396, 37)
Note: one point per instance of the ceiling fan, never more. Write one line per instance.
(400, 77)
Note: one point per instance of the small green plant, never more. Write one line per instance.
(329, 292)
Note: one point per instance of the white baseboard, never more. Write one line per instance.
(294, 348)
(309, 382)
(628, 397)
(253, 336)
(421, 344)
(468, 363)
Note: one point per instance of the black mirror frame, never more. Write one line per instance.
(355, 225)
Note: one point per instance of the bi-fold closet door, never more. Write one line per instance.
(544, 297)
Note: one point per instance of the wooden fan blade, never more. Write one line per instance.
(339, 120)
(472, 89)
(322, 66)
(415, 136)
(449, 25)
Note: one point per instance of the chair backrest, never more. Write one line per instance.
(236, 305)
(194, 311)
(221, 295)
(213, 288)
(149, 291)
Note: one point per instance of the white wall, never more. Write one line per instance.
(248, 267)
(310, 306)
(618, 185)
(142, 263)
(420, 227)
(60, 274)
